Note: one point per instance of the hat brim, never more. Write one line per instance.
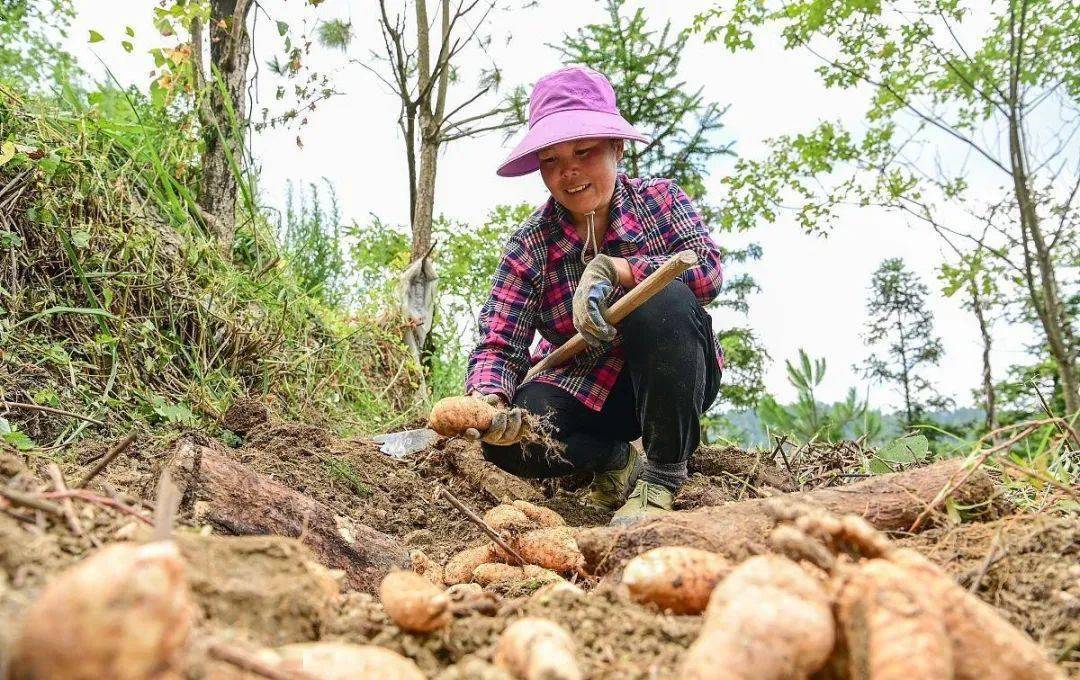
(564, 126)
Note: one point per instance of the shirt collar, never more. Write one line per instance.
(623, 225)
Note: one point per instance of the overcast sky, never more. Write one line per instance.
(814, 289)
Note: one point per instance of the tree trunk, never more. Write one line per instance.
(987, 374)
(425, 194)
(904, 377)
(1051, 312)
(223, 133)
(235, 500)
(890, 502)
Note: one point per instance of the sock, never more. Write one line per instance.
(668, 475)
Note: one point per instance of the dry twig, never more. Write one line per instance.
(103, 501)
(117, 448)
(30, 501)
(475, 519)
(252, 664)
(9, 405)
(65, 503)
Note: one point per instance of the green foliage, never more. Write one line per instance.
(465, 257)
(965, 108)
(122, 304)
(900, 322)
(807, 419)
(333, 33)
(11, 436)
(30, 34)
(744, 368)
(310, 236)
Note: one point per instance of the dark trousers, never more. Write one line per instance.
(670, 378)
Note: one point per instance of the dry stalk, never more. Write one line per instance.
(31, 501)
(476, 519)
(113, 452)
(103, 501)
(65, 503)
(252, 664)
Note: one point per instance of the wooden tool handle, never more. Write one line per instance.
(665, 274)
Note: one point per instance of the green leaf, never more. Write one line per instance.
(952, 511)
(7, 152)
(80, 238)
(130, 31)
(13, 437)
(282, 28)
(127, 46)
(95, 37)
(905, 450)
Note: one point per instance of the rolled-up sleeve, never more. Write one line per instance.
(507, 324)
(684, 229)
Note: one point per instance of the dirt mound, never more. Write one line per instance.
(615, 638)
(1027, 566)
(262, 591)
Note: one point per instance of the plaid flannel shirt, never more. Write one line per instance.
(533, 287)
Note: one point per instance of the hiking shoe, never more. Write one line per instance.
(609, 489)
(647, 500)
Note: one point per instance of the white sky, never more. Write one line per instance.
(813, 289)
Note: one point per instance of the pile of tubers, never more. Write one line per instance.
(839, 600)
(539, 535)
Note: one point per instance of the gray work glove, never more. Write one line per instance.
(597, 281)
(507, 425)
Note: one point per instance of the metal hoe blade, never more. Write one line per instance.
(400, 444)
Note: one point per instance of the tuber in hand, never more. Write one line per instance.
(451, 416)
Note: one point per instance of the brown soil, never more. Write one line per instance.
(264, 591)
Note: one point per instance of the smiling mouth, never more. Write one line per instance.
(578, 189)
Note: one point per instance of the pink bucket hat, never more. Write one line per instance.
(571, 103)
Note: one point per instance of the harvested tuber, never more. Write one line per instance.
(414, 603)
(552, 548)
(496, 573)
(122, 613)
(508, 518)
(984, 645)
(426, 567)
(537, 649)
(769, 619)
(892, 629)
(543, 517)
(678, 579)
(451, 416)
(460, 567)
(344, 661)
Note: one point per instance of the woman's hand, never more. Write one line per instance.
(600, 277)
(507, 425)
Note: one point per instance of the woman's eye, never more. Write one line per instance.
(583, 152)
(547, 161)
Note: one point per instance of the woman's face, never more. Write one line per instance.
(580, 173)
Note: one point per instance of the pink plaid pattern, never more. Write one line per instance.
(533, 287)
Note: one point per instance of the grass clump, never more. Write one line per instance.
(115, 302)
